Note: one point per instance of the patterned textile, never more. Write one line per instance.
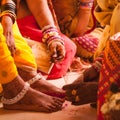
(67, 14)
(31, 30)
(110, 71)
(112, 23)
(86, 45)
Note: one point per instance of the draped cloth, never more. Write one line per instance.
(107, 12)
(110, 71)
(23, 56)
(31, 30)
(66, 14)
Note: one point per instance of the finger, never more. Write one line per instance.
(61, 52)
(70, 86)
(12, 50)
(70, 98)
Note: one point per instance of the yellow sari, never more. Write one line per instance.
(23, 57)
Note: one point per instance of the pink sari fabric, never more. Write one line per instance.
(29, 28)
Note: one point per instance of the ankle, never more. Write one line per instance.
(12, 88)
(26, 74)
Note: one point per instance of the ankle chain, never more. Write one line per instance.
(16, 98)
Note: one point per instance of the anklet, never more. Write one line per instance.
(16, 98)
(36, 78)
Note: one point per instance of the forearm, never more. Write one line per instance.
(7, 15)
(42, 14)
(83, 20)
(83, 17)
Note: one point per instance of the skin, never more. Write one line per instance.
(83, 20)
(90, 81)
(42, 85)
(34, 100)
(43, 12)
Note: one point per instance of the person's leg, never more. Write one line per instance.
(26, 65)
(19, 96)
(59, 69)
(16, 93)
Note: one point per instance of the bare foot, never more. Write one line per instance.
(42, 85)
(32, 101)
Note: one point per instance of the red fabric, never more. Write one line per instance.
(29, 28)
(108, 76)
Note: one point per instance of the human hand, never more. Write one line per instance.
(57, 50)
(8, 33)
(81, 93)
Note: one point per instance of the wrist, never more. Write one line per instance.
(87, 5)
(51, 34)
(8, 9)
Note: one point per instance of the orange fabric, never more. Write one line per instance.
(110, 71)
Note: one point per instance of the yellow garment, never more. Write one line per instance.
(110, 19)
(23, 56)
(103, 11)
(42, 55)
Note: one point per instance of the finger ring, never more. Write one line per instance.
(77, 99)
(74, 92)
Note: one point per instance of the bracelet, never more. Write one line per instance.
(97, 66)
(47, 27)
(86, 4)
(16, 98)
(8, 13)
(51, 34)
(8, 9)
(34, 79)
(8, 6)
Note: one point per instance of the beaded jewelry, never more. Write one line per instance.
(36, 78)
(51, 34)
(16, 98)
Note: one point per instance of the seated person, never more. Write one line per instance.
(21, 92)
(76, 20)
(106, 63)
(40, 24)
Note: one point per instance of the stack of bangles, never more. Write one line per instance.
(98, 63)
(51, 34)
(86, 4)
(8, 9)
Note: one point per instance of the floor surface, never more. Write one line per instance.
(70, 112)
